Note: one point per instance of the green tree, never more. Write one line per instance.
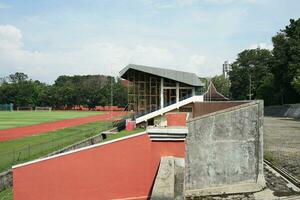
(296, 81)
(286, 62)
(17, 77)
(252, 66)
(267, 90)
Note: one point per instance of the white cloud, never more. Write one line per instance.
(10, 37)
(261, 45)
(95, 57)
(91, 58)
(196, 60)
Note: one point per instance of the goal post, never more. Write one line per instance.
(24, 108)
(43, 108)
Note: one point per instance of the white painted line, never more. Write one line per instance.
(77, 150)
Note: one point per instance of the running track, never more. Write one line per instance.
(14, 133)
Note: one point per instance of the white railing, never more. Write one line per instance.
(174, 106)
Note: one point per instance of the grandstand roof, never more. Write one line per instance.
(180, 76)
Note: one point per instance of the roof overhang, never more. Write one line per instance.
(179, 76)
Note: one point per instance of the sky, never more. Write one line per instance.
(49, 38)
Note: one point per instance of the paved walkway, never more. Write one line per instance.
(14, 133)
(282, 143)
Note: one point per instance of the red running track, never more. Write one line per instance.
(14, 133)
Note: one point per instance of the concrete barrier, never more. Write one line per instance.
(224, 152)
(168, 183)
(6, 180)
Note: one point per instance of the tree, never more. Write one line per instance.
(252, 66)
(296, 81)
(120, 94)
(17, 77)
(286, 62)
(267, 90)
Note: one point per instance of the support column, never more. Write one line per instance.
(177, 92)
(193, 91)
(161, 92)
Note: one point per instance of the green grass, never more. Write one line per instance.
(6, 194)
(25, 118)
(28, 148)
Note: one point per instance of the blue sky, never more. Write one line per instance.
(46, 39)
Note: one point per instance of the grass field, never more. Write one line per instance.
(25, 118)
(28, 148)
(6, 194)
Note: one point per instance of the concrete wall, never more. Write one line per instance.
(289, 110)
(124, 168)
(169, 180)
(6, 180)
(224, 151)
(176, 118)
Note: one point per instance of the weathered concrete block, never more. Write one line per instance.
(224, 151)
(164, 182)
(6, 180)
(179, 178)
(169, 180)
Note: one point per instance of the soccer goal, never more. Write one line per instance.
(24, 108)
(45, 108)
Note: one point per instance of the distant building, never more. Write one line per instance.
(213, 95)
(226, 68)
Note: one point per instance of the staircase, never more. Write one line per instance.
(175, 133)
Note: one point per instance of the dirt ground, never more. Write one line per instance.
(282, 143)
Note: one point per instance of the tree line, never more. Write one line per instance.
(67, 91)
(271, 75)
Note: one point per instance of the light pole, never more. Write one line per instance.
(251, 66)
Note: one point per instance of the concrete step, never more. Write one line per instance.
(167, 133)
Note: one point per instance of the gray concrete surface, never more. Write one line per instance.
(6, 180)
(168, 183)
(224, 152)
(179, 179)
(282, 143)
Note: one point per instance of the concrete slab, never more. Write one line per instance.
(224, 152)
(169, 180)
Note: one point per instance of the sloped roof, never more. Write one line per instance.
(213, 95)
(180, 76)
